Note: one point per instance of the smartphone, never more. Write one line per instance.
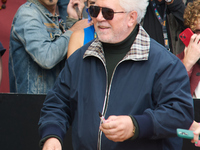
(185, 36)
(187, 134)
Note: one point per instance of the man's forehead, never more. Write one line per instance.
(108, 1)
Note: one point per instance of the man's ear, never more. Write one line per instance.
(132, 18)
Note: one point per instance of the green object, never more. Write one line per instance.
(187, 134)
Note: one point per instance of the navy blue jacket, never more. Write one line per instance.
(150, 83)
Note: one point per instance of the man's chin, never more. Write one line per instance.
(105, 39)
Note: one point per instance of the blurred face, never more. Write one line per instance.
(197, 26)
(48, 2)
(50, 5)
(115, 30)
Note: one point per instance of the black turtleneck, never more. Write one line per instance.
(114, 53)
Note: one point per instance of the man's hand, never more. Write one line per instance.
(118, 128)
(52, 144)
(71, 9)
(192, 52)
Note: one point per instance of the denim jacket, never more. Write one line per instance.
(37, 49)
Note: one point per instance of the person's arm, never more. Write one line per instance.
(173, 104)
(45, 48)
(173, 101)
(55, 117)
(181, 56)
(192, 52)
(75, 42)
(0, 69)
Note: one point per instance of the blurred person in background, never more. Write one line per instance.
(190, 57)
(83, 36)
(191, 54)
(158, 22)
(39, 44)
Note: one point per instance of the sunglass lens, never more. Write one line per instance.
(94, 11)
(108, 13)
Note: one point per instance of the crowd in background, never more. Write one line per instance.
(45, 33)
(164, 30)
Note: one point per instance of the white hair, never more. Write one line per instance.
(139, 6)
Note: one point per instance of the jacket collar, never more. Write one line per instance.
(42, 8)
(139, 50)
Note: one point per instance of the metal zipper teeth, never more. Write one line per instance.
(106, 102)
(103, 112)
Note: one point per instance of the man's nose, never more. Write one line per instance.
(100, 16)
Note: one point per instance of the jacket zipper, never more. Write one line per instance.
(107, 95)
(104, 107)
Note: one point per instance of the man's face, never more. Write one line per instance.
(197, 26)
(115, 30)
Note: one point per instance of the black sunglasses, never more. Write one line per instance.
(107, 13)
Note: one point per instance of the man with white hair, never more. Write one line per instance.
(138, 88)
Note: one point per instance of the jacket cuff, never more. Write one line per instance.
(145, 125)
(136, 134)
(51, 129)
